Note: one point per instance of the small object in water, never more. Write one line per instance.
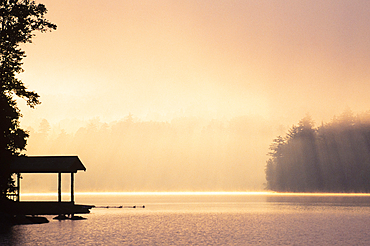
(60, 217)
(76, 217)
(143, 206)
(37, 220)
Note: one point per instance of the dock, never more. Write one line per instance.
(44, 164)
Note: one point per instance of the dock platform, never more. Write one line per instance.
(43, 208)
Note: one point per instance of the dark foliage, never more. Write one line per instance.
(334, 157)
(18, 21)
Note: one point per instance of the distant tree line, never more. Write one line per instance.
(187, 153)
(334, 157)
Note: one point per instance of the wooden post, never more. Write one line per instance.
(19, 187)
(59, 187)
(72, 188)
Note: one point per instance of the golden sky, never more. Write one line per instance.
(213, 59)
(161, 59)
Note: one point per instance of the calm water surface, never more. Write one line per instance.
(223, 219)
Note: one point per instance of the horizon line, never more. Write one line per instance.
(138, 193)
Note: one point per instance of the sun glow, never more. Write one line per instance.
(195, 193)
(155, 193)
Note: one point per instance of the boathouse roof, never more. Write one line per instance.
(46, 164)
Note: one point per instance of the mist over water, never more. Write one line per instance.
(186, 154)
(195, 154)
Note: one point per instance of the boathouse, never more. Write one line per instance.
(46, 164)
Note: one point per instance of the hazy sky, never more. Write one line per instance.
(162, 59)
(273, 61)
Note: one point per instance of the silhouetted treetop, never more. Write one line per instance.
(18, 21)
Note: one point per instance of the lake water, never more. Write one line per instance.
(205, 219)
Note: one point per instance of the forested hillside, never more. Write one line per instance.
(334, 157)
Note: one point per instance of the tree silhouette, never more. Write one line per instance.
(19, 19)
(334, 157)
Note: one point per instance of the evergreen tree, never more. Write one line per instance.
(334, 157)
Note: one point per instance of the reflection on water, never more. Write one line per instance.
(208, 219)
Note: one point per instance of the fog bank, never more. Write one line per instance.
(186, 154)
